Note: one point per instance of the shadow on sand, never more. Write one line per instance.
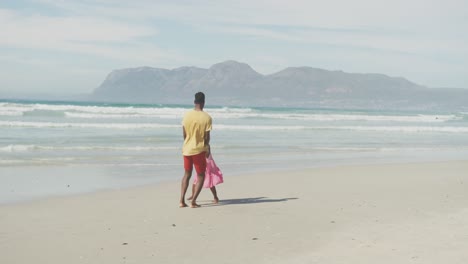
(255, 200)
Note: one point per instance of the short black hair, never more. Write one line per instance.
(199, 98)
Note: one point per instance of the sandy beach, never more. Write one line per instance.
(394, 213)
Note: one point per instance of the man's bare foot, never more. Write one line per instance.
(216, 200)
(190, 198)
(182, 205)
(194, 205)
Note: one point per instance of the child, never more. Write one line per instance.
(213, 176)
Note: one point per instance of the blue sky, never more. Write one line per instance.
(68, 47)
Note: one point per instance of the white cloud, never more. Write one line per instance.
(56, 32)
(100, 37)
(404, 35)
(401, 25)
(317, 13)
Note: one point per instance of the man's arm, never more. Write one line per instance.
(183, 132)
(207, 143)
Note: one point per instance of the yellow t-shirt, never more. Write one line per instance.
(195, 123)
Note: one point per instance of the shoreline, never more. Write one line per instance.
(391, 213)
(77, 180)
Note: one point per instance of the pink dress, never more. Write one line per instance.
(213, 175)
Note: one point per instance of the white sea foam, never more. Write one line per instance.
(13, 162)
(42, 161)
(145, 139)
(25, 148)
(17, 148)
(383, 149)
(256, 128)
(9, 112)
(86, 125)
(99, 111)
(342, 117)
(93, 116)
(409, 129)
(112, 112)
(406, 129)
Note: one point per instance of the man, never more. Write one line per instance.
(196, 130)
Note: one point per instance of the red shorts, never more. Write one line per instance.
(199, 161)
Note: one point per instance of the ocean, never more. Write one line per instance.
(60, 148)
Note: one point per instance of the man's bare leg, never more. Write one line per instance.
(193, 191)
(198, 188)
(215, 195)
(184, 187)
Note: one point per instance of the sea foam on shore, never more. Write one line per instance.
(118, 145)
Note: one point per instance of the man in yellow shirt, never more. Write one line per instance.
(196, 130)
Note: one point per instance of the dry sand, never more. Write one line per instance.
(402, 213)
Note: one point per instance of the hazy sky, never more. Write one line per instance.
(67, 47)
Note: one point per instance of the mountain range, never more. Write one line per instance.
(232, 83)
